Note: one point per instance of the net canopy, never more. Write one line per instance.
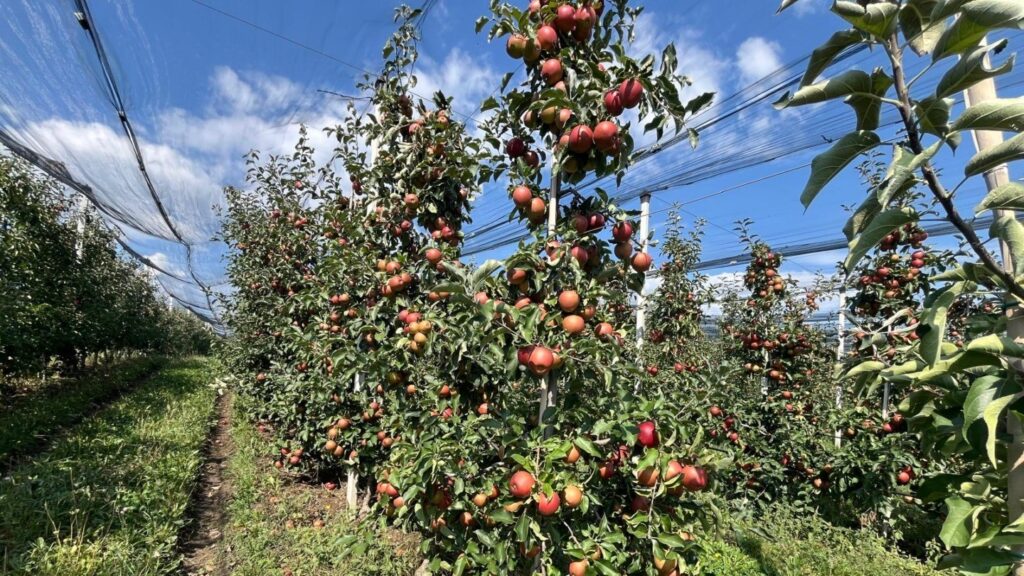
(147, 108)
(109, 98)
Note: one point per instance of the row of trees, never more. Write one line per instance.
(67, 291)
(505, 412)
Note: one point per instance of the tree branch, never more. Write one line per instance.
(906, 108)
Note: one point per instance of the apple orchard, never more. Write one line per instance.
(506, 411)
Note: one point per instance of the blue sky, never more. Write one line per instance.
(202, 87)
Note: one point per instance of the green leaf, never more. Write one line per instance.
(828, 164)
(934, 114)
(823, 55)
(878, 19)
(933, 321)
(973, 68)
(845, 84)
(588, 446)
(903, 168)
(986, 402)
(1006, 114)
(865, 367)
(955, 531)
(785, 4)
(1008, 151)
(1009, 196)
(874, 232)
(867, 210)
(996, 344)
(671, 540)
(922, 33)
(481, 22)
(869, 108)
(976, 19)
(1007, 228)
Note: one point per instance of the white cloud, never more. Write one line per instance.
(460, 77)
(706, 69)
(756, 58)
(806, 7)
(161, 261)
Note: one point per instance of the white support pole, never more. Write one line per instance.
(352, 482)
(641, 298)
(83, 206)
(998, 176)
(840, 353)
(549, 386)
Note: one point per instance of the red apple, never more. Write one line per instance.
(648, 434)
(521, 484)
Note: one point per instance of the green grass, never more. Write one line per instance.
(36, 415)
(270, 524)
(781, 544)
(109, 496)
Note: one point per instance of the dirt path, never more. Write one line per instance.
(201, 537)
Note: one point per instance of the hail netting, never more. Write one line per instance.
(148, 109)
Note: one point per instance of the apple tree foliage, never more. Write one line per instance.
(68, 294)
(962, 391)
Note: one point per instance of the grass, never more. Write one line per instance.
(782, 544)
(30, 418)
(270, 526)
(109, 496)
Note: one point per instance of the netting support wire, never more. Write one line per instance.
(641, 298)
(84, 17)
(840, 353)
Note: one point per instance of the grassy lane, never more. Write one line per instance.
(109, 496)
(276, 526)
(33, 417)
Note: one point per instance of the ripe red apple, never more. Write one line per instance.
(515, 148)
(548, 506)
(573, 324)
(581, 222)
(522, 195)
(578, 567)
(516, 46)
(552, 73)
(573, 496)
(631, 91)
(695, 478)
(565, 18)
(521, 484)
(647, 435)
(541, 360)
(433, 255)
(569, 300)
(547, 38)
(605, 135)
(580, 254)
(642, 262)
(624, 250)
(581, 139)
(613, 103)
(604, 330)
(715, 411)
(648, 477)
